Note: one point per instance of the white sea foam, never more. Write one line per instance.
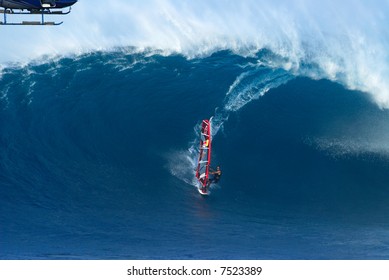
(182, 165)
(345, 146)
(255, 82)
(348, 41)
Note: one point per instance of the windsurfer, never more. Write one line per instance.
(216, 175)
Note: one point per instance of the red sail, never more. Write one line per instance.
(202, 172)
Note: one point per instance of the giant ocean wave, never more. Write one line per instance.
(98, 139)
(345, 42)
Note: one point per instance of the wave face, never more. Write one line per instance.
(97, 161)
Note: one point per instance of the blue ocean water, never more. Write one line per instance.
(97, 161)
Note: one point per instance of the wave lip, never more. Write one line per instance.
(346, 42)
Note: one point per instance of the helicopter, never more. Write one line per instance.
(34, 7)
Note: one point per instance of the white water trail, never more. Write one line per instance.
(185, 170)
(247, 87)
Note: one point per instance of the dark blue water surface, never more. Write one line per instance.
(89, 146)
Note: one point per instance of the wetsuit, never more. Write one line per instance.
(216, 177)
